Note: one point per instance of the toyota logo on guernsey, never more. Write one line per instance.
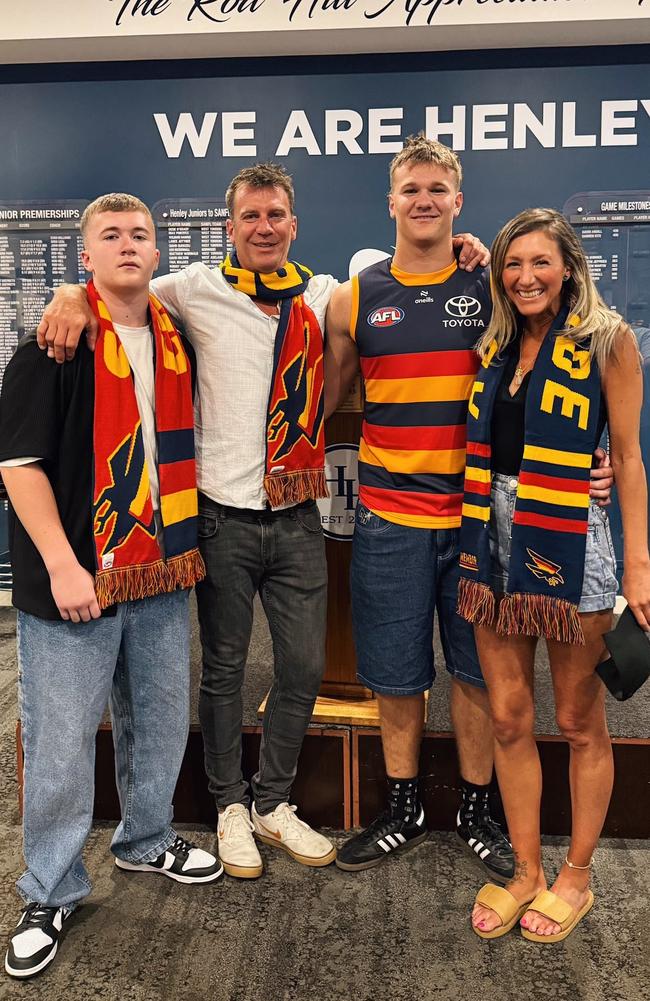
(463, 310)
(386, 316)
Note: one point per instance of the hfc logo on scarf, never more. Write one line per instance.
(545, 569)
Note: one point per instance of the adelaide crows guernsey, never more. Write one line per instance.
(416, 335)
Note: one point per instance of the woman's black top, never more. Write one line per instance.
(508, 421)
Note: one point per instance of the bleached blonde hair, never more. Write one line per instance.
(419, 149)
(116, 201)
(597, 322)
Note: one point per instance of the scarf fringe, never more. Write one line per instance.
(148, 580)
(540, 615)
(296, 487)
(476, 602)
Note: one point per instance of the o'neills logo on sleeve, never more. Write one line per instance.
(385, 316)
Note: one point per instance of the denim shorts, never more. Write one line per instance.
(400, 577)
(599, 584)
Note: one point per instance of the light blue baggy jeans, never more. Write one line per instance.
(139, 660)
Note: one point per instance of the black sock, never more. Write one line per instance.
(475, 801)
(403, 801)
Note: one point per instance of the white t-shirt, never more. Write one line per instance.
(138, 345)
(234, 341)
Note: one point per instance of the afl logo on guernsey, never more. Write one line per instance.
(387, 316)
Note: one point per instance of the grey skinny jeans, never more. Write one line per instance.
(281, 556)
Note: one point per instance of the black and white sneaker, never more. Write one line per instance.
(182, 861)
(35, 941)
(487, 843)
(384, 837)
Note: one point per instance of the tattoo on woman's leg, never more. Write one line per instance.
(521, 870)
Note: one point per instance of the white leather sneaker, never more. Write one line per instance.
(34, 943)
(237, 849)
(182, 861)
(283, 829)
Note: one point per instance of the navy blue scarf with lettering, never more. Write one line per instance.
(562, 427)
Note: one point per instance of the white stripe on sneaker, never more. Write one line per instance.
(486, 851)
(478, 847)
(382, 844)
(393, 842)
(471, 842)
(400, 838)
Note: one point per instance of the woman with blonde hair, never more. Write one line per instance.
(536, 554)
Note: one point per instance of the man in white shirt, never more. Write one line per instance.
(248, 545)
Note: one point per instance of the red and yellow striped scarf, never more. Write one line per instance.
(129, 561)
(295, 442)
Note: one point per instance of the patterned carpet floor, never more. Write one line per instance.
(396, 933)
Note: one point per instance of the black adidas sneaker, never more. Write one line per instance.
(384, 837)
(487, 843)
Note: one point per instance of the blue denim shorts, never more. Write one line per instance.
(400, 577)
(599, 584)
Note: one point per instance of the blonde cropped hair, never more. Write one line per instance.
(597, 321)
(116, 201)
(419, 149)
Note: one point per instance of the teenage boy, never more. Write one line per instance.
(98, 460)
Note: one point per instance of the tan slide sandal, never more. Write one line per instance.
(504, 905)
(556, 909)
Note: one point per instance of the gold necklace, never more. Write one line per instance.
(519, 376)
(521, 368)
(520, 372)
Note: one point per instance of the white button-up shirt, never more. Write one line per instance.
(233, 340)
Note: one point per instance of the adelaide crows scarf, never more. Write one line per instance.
(295, 448)
(562, 424)
(129, 562)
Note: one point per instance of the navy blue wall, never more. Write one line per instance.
(76, 131)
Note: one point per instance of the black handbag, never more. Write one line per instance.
(628, 665)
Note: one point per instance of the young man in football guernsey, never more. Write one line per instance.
(412, 323)
(98, 460)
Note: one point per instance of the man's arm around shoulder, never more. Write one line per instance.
(63, 322)
(68, 315)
